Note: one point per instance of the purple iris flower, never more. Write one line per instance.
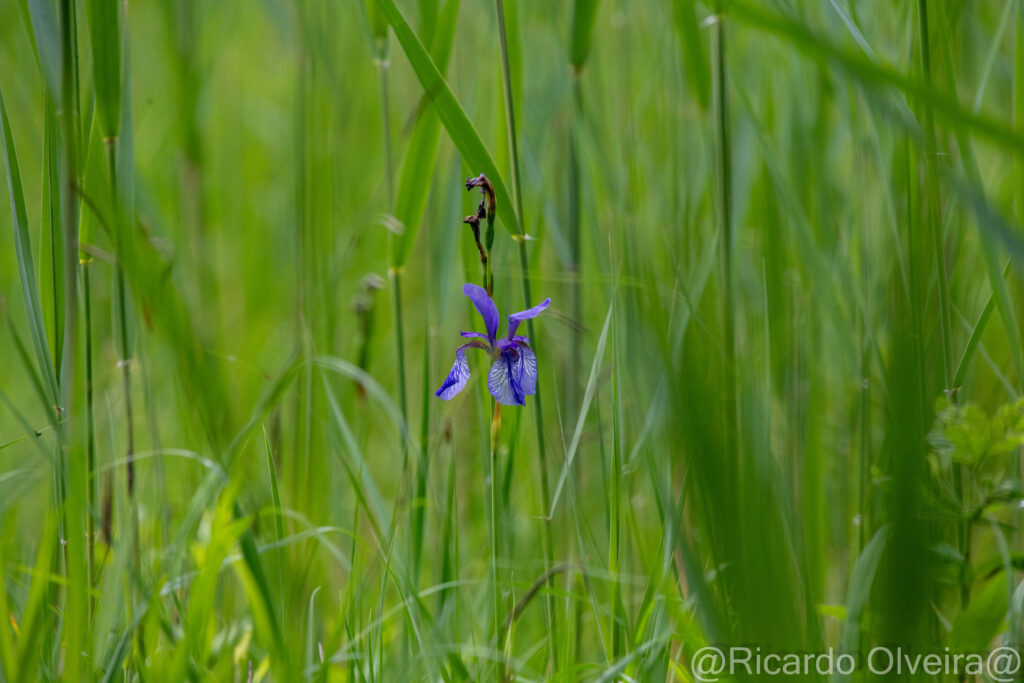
(513, 374)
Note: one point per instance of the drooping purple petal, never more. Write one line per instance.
(473, 335)
(459, 375)
(484, 304)
(503, 381)
(516, 318)
(527, 368)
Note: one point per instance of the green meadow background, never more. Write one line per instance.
(779, 381)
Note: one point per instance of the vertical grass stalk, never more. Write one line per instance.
(90, 426)
(726, 236)
(933, 223)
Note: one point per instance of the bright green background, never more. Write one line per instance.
(777, 380)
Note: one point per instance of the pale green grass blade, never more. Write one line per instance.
(588, 397)
(975, 338)
(26, 265)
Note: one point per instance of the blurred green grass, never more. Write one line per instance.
(779, 378)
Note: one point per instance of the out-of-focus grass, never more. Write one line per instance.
(778, 384)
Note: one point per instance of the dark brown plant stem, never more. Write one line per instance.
(474, 225)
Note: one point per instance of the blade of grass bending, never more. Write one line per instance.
(421, 152)
(23, 250)
(365, 488)
(455, 121)
(374, 389)
(32, 370)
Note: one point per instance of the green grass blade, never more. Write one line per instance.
(46, 41)
(583, 14)
(105, 36)
(684, 18)
(460, 129)
(872, 74)
(588, 397)
(23, 249)
(975, 338)
(859, 590)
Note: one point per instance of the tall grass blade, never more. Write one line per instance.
(455, 121)
(23, 249)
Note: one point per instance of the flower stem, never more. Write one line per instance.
(538, 411)
(493, 487)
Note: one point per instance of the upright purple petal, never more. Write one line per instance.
(459, 375)
(502, 381)
(516, 318)
(484, 304)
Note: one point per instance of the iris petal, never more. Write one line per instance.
(527, 369)
(484, 304)
(516, 318)
(503, 381)
(459, 375)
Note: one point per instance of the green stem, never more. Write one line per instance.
(615, 495)
(122, 331)
(492, 491)
(90, 429)
(726, 238)
(574, 245)
(423, 469)
(933, 221)
(538, 411)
